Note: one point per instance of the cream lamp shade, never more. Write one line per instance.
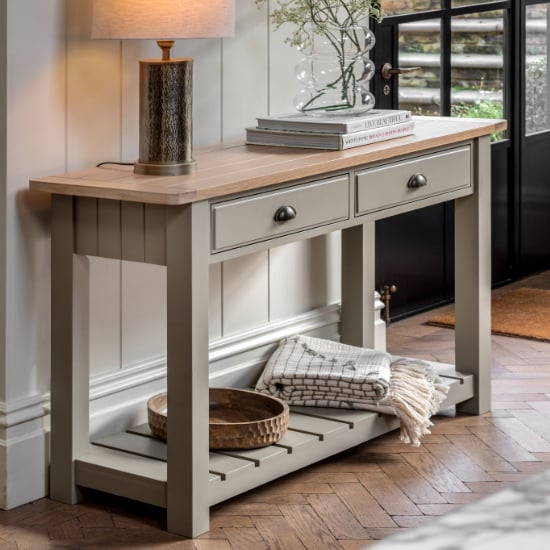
(163, 19)
(165, 88)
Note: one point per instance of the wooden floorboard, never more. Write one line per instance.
(350, 501)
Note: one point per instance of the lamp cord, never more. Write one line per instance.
(114, 162)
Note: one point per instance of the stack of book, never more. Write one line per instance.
(299, 130)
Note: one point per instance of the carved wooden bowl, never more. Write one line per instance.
(239, 419)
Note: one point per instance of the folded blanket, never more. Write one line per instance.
(306, 371)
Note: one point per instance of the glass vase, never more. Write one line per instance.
(335, 71)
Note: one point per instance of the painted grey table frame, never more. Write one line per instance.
(178, 236)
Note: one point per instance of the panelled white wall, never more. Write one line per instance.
(71, 102)
(34, 129)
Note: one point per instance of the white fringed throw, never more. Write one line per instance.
(306, 371)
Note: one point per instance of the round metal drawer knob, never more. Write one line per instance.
(417, 180)
(284, 214)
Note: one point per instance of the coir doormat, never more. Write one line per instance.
(522, 312)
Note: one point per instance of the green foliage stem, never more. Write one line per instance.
(318, 15)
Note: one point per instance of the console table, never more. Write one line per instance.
(243, 199)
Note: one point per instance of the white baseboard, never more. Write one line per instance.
(24, 452)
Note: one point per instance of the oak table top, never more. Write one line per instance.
(227, 169)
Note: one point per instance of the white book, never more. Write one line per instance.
(320, 140)
(299, 122)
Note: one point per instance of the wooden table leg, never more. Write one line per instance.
(357, 319)
(473, 282)
(69, 377)
(187, 252)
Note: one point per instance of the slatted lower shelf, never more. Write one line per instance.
(133, 463)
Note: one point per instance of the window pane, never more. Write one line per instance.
(536, 67)
(477, 65)
(400, 7)
(460, 3)
(420, 46)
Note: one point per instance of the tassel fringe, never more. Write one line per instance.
(415, 394)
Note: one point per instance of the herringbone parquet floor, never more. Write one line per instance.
(349, 501)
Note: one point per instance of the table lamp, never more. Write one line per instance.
(166, 88)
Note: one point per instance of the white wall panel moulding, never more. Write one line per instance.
(273, 332)
(224, 352)
(24, 410)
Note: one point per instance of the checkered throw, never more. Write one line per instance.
(314, 372)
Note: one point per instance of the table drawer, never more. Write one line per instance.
(252, 218)
(412, 180)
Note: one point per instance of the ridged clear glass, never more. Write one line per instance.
(335, 71)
